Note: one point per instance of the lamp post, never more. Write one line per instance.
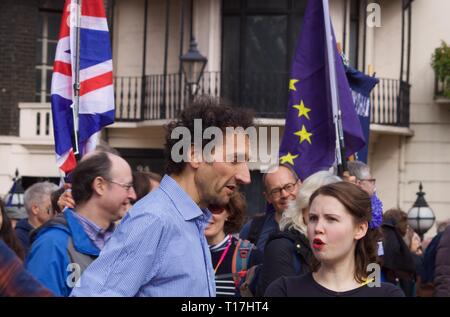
(193, 64)
(14, 199)
(421, 217)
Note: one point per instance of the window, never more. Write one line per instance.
(259, 38)
(47, 38)
(354, 33)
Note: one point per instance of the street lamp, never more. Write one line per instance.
(421, 217)
(14, 199)
(193, 64)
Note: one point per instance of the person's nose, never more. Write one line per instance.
(243, 174)
(132, 194)
(319, 229)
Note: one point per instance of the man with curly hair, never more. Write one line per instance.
(159, 248)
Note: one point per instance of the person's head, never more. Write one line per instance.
(37, 201)
(399, 219)
(54, 199)
(212, 168)
(105, 182)
(442, 225)
(281, 185)
(364, 178)
(297, 214)
(226, 220)
(338, 228)
(7, 232)
(145, 182)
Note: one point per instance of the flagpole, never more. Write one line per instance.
(337, 116)
(76, 84)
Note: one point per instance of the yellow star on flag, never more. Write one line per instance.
(304, 135)
(288, 158)
(302, 110)
(292, 83)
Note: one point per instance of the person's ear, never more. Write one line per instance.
(194, 158)
(361, 230)
(99, 185)
(34, 209)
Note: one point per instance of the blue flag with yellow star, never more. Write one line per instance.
(309, 141)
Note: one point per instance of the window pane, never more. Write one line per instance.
(39, 52)
(267, 4)
(230, 59)
(49, 81)
(231, 5)
(299, 5)
(38, 81)
(297, 21)
(53, 25)
(51, 50)
(264, 87)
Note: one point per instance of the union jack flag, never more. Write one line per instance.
(96, 101)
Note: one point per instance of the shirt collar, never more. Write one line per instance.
(97, 229)
(182, 201)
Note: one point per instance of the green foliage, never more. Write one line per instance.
(441, 65)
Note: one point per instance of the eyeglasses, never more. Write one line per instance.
(370, 180)
(276, 192)
(126, 186)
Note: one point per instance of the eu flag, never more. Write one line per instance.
(309, 141)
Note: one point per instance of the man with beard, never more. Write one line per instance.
(159, 248)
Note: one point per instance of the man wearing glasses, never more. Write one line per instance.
(281, 187)
(364, 178)
(102, 186)
(39, 209)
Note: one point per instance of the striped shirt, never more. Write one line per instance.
(158, 249)
(98, 235)
(224, 280)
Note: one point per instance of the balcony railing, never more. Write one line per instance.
(266, 93)
(441, 90)
(390, 103)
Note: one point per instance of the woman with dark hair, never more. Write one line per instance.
(344, 244)
(231, 257)
(7, 233)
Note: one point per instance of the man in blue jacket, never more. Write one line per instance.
(102, 187)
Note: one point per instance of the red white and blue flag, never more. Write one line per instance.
(96, 101)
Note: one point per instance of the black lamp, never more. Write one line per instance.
(14, 199)
(193, 64)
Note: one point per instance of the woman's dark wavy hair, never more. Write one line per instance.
(213, 112)
(8, 235)
(358, 203)
(237, 208)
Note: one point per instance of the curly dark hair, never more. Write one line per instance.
(8, 235)
(237, 208)
(358, 203)
(213, 112)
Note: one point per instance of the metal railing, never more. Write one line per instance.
(164, 96)
(390, 103)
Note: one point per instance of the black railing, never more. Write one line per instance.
(266, 93)
(441, 88)
(390, 103)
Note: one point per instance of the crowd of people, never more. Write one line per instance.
(115, 232)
